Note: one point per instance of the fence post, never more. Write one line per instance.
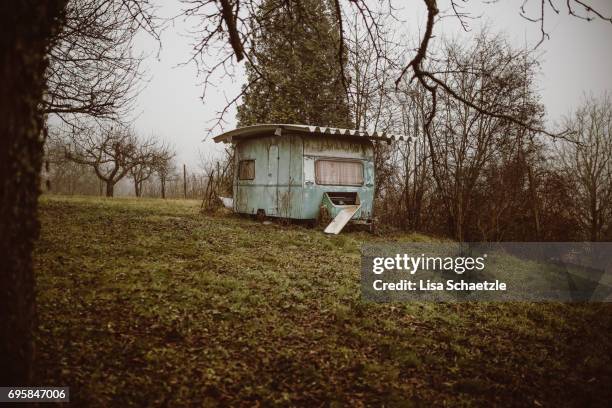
(185, 180)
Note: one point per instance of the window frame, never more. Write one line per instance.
(339, 160)
(240, 164)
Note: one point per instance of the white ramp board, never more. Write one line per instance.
(343, 217)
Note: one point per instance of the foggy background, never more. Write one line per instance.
(575, 60)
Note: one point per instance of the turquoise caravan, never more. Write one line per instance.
(297, 171)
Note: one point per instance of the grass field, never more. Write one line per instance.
(150, 303)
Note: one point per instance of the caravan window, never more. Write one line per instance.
(339, 172)
(246, 169)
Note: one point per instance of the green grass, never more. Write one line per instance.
(149, 302)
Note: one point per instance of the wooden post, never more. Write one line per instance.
(218, 180)
(185, 181)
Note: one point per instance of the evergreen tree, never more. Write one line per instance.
(294, 67)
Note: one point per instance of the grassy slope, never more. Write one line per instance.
(149, 302)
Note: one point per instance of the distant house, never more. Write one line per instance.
(297, 171)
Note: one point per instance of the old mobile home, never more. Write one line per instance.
(294, 171)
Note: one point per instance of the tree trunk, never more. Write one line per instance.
(535, 205)
(594, 230)
(163, 188)
(458, 217)
(27, 29)
(592, 211)
(110, 187)
(137, 188)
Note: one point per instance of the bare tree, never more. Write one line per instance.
(370, 74)
(463, 139)
(92, 69)
(112, 153)
(139, 174)
(165, 170)
(414, 172)
(587, 161)
(218, 177)
(150, 157)
(435, 84)
(64, 176)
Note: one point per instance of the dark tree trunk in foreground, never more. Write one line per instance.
(27, 27)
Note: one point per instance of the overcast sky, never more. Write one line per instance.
(577, 59)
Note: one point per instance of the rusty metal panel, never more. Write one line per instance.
(284, 190)
(290, 176)
(328, 146)
(261, 191)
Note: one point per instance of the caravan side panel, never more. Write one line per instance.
(342, 149)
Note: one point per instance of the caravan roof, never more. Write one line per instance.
(266, 129)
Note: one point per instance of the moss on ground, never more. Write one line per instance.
(149, 302)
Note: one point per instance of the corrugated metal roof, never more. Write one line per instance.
(277, 129)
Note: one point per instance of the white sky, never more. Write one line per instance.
(576, 60)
